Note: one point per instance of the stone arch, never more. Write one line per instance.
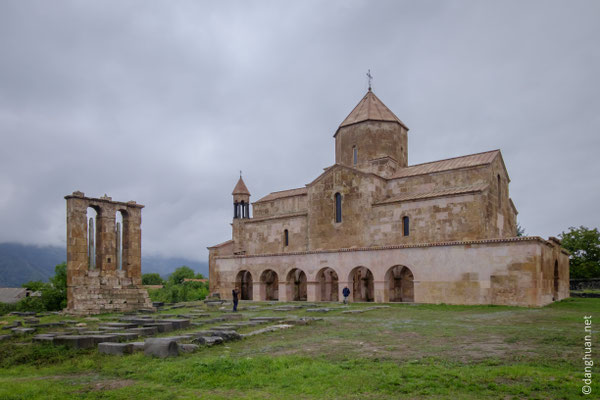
(270, 280)
(361, 279)
(399, 281)
(296, 285)
(243, 281)
(327, 285)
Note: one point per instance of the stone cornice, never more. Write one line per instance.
(394, 247)
(281, 216)
(79, 195)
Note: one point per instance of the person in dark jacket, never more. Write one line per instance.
(346, 293)
(235, 293)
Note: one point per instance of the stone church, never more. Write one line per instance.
(438, 232)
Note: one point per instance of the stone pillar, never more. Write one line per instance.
(259, 291)
(105, 240)
(132, 242)
(380, 295)
(77, 246)
(312, 294)
(283, 292)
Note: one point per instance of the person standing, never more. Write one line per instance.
(235, 293)
(346, 293)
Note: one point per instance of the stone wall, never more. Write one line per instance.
(502, 271)
(286, 205)
(373, 140)
(583, 284)
(476, 214)
(104, 288)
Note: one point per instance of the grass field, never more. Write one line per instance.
(402, 352)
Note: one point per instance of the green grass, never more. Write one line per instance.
(406, 351)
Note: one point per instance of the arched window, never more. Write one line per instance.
(499, 192)
(354, 155)
(119, 225)
(286, 238)
(405, 226)
(92, 229)
(338, 207)
(242, 209)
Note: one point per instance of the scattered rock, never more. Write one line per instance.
(271, 328)
(162, 348)
(162, 327)
(178, 323)
(145, 331)
(267, 319)
(104, 338)
(115, 348)
(15, 324)
(208, 340)
(74, 341)
(138, 346)
(22, 331)
(188, 348)
(44, 338)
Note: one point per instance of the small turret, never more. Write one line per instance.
(241, 200)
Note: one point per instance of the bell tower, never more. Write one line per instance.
(241, 200)
(372, 138)
(241, 212)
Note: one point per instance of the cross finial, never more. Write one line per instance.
(240, 174)
(370, 77)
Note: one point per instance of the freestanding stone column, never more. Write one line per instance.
(104, 288)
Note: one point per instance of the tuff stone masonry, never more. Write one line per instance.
(104, 275)
(438, 232)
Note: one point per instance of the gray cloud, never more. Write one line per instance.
(164, 102)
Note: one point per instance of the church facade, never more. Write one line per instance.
(438, 232)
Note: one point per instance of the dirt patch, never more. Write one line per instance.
(111, 384)
(490, 347)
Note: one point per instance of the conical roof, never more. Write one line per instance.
(370, 108)
(240, 188)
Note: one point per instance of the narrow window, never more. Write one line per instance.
(499, 192)
(286, 238)
(242, 209)
(405, 225)
(92, 214)
(338, 207)
(354, 155)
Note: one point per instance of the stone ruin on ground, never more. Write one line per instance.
(105, 274)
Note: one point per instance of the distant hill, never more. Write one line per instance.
(22, 263)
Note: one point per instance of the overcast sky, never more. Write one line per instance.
(164, 102)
